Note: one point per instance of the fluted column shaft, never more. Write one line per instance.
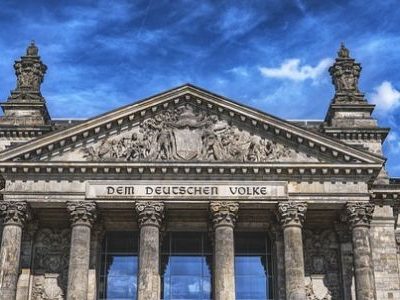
(224, 216)
(292, 215)
(14, 214)
(83, 215)
(150, 216)
(359, 216)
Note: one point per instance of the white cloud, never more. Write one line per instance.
(394, 142)
(237, 21)
(385, 96)
(241, 71)
(291, 69)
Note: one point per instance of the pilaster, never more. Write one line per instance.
(346, 260)
(384, 253)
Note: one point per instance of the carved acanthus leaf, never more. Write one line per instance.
(292, 213)
(359, 213)
(185, 133)
(224, 213)
(14, 212)
(82, 212)
(150, 213)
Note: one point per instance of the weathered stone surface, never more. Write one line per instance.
(346, 260)
(321, 250)
(14, 214)
(223, 217)
(277, 237)
(26, 107)
(292, 215)
(98, 232)
(384, 254)
(150, 216)
(186, 133)
(24, 280)
(51, 259)
(82, 215)
(359, 216)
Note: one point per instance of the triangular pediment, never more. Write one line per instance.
(191, 125)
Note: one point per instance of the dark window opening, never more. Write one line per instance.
(253, 266)
(186, 266)
(119, 266)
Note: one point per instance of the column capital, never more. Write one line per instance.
(150, 213)
(292, 213)
(224, 213)
(82, 212)
(15, 212)
(359, 213)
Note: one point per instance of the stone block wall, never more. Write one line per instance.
(384, 254)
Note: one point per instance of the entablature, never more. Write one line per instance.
(288, 171)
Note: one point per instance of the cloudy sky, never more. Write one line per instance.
(270, 54)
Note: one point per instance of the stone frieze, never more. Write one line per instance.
(188, 134)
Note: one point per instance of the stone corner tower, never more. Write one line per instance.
(26, 107)
(349, 117)
(25, 112)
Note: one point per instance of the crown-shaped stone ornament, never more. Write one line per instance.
(345, 74)
(30, 72)
(26, 107)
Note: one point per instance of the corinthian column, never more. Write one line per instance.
(150, 216)
(359, 216)
(14, 214)
(83, 215)
(292, 215)
(224, 215)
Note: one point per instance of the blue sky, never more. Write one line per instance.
(272, 55)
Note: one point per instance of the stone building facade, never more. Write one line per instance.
(189, 195)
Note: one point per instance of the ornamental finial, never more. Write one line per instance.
(343, 51)
(345, 74)
(32, 49)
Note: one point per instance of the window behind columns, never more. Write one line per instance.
(185, 266)
(253, 266)
(119, 266)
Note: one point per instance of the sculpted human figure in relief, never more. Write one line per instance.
(184, 133)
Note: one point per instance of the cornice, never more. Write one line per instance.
(363, 172)
(128, 115)
(357, 133)
(385, 194)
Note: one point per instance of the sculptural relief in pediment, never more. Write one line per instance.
(186, 133)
